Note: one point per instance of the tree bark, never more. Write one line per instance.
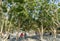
(54, 34)
(0, 9)
(42, 32)
(18, 29)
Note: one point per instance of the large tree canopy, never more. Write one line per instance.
(29, 14)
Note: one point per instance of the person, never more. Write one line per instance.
(50, 33)
(21, 35)
(8, 37)
(25, 35)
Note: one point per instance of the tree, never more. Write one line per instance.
(27, 14)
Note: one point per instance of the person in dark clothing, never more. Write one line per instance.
(8, 37)
(50, 33)
(21, 35)
(25, 35)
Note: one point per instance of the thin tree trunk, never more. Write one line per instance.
(39, 31)
(18, 29)
(17, 36)
(8, 32)
(54, 34)
(42, 32)
(0, 10)
(0, 5)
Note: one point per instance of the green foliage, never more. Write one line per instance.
(19, 8)
(9, 1)
(31, 14)
(58, 4)
(20, 1)
(4, 9)
(59, 10)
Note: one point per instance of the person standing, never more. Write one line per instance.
(21, 35)
(25, 35)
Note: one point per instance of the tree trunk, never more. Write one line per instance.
(18, 29)
(0, 5)
(0, 12)
(54, 34)
(39, 31)
(42, 32)
(17, 36)
(8, 32)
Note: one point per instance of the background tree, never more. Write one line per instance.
(29, 15)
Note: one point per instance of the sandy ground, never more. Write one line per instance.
(33, 38)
